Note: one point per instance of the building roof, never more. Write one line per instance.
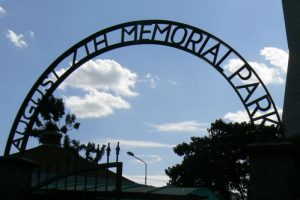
(55, 158)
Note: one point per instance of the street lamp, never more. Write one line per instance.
(131, 154)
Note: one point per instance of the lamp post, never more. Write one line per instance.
(131, 154)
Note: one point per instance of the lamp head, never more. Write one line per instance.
(130, 153)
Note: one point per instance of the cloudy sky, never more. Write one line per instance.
(149, 98)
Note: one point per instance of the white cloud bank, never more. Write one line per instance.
(105, 84)
(184, 126)
(274, 74)
(17, 40)
(130, 144)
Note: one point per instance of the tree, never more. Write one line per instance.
(52, 112)
(91, 152)
(219, 160)
(53, 119)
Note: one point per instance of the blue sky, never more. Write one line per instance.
(152, 97)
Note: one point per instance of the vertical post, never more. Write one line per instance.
(145, 173)
(107, 161)
(117, 152)
(291, 107)
(119, 179)
(75, 182)
(85, 181)
(38, 176)
(96, 179)
(68, 163)
(47, 175)
(76, 177)
(57, 172)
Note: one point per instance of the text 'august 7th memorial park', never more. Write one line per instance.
(274, 167)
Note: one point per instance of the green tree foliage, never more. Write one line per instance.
(219, 160)
(90, 151)
(52, 114)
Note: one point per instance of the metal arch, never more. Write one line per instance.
(244, 80)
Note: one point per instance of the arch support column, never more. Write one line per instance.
(291, 108)
(274, 171)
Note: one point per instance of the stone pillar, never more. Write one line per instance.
(274, 171)
(291, 108)
(15, 177)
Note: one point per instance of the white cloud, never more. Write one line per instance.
(267, 74)
(31, 34)
(148, 158)
(105, 83)
(274, 74)
(130, 144)
(150, 79)
(95, 104)
(184, 126)
(104, 75)
(280, 111)
(239, 116)
(277, 57)
(17, 40)
(151, 158)
(2, 11)
(172, 82)
(242, 116)
(153, 180)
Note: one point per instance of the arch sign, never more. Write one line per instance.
(240, 75)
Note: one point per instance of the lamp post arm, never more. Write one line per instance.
(140, 160)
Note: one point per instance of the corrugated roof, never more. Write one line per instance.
(170, 190)
(174, 190)
(138, 188)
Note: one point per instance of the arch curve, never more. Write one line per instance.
(243, 79)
